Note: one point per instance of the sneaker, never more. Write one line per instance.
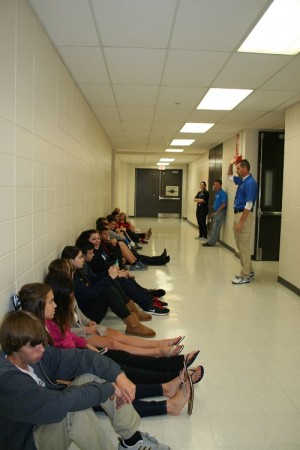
(252, 274)
(159, 302)
(141, 264)
(138, 247)
(206, 244)
(240, 280)
(138, 266)
(146, 443)
(203, 238)
(157, 310)
(157, 292)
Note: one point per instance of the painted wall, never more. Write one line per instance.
(55, 158)
(290, 226)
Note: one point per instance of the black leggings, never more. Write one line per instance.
(147, 369)
(113, 298)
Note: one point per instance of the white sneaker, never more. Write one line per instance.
(240, 280)
(147, 443)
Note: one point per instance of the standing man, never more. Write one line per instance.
(201, 199)
(219, 213)
(244, 202)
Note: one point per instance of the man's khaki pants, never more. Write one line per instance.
(242, 239)
(83, 430)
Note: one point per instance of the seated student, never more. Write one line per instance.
(112, 339)
(124, 222)
(140, 368)
(54, 308)
(38, 413)
(134, 258)
(95, 297)
(100, 262)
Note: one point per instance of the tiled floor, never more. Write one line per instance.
(249, 337)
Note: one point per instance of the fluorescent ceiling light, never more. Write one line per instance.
(167, 159)
(196, 127)
(174, 150)
(162, 164)
(182, 141)
(223, 99)
(277, 32)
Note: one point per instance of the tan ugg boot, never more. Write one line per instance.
(142, 315)
(135, 327)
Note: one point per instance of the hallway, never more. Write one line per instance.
(249, 337)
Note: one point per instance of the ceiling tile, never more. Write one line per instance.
(138, 96)
(98, 94)
(68, 22)
(214, 24)
(138, 23)
(180, 96)
(135, 65)
(193, 68)
(85, 63)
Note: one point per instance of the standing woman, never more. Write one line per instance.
(202, 210)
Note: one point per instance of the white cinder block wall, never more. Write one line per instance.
(290, 225)
(55, 159)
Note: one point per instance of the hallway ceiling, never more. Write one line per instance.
(145, 65)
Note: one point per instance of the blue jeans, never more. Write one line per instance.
(218, 220)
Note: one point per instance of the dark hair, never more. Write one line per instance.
(33, 298)
(70, 252)
(20, 328)
(84, 246)
(244, 163)
(62, 288)
(218, 181)
(61, 265)
(100, 220)
(85, 235)
(102, 228)
(111, 218)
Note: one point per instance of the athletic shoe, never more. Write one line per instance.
(206, 244)
(240, 280)
(157, 292)
(138, 266)
(157, 310)
(146, 443)
(138, 247)
(140, 263)
(159, 302)
(252, 274)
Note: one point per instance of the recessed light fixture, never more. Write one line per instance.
(223, 99)
(162, 164)
(174, 150)
(167, 159)
(182, 141)
(277, 32)
(196, 127)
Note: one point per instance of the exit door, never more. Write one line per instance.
(269, 205)
(158, 193)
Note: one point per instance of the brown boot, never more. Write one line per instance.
(135, 327)
(142, 315)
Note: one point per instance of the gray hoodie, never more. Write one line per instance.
(24, 404)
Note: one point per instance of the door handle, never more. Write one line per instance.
(168, 198)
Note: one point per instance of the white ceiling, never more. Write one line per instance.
(145, 65)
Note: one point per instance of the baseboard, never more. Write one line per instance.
(289, 285)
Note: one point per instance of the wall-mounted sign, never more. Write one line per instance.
(172, 191)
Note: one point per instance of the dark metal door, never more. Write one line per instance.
(158, 193)
(146, 192)
(269, 205)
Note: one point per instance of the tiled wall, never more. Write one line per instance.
(55, 159)
(290, 225)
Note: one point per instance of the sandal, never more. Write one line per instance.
(175, 350)
(194, 371)
(190, 362)
(189, 381)
(177, 342)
